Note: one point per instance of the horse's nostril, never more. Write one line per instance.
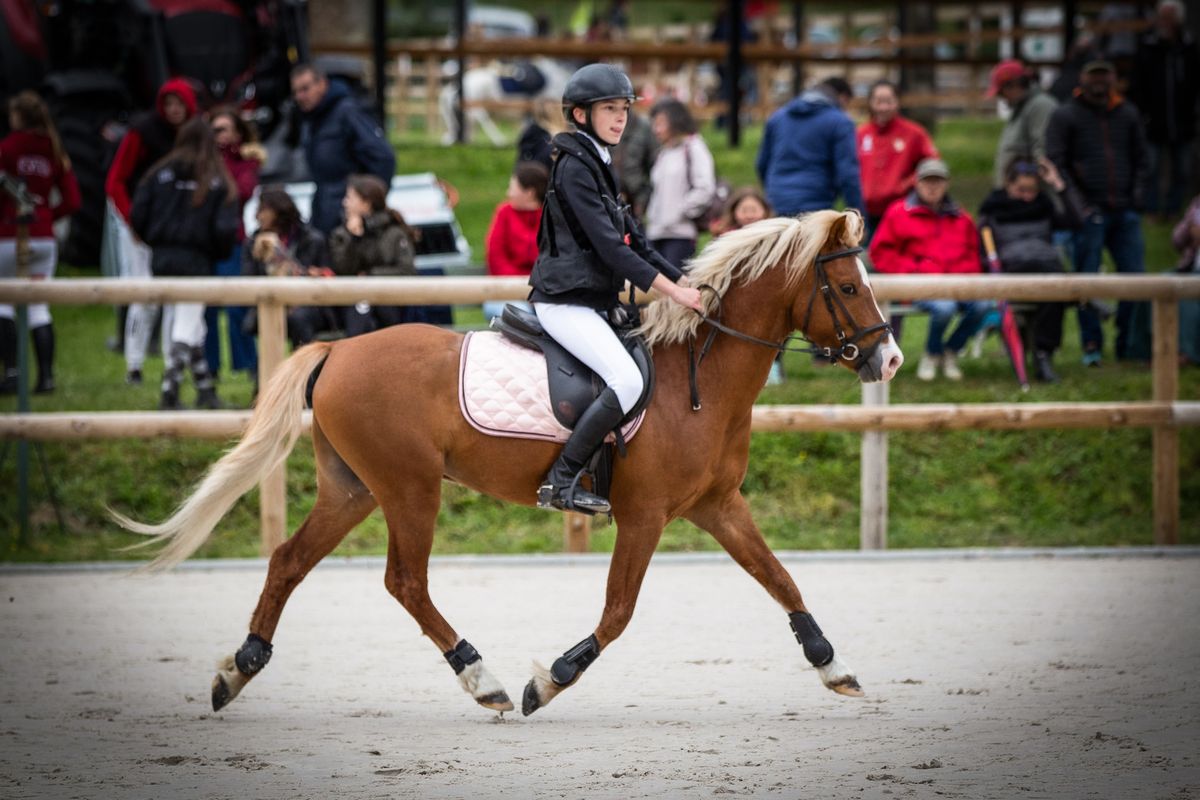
(894, 363)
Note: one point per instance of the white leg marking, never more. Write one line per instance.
(481, 685)
(839, 677)
(234, 680)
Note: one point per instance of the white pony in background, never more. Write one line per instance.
(537, 80)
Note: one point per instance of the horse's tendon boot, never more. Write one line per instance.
(253, 655)
(817, 648)
(567, 667)
(235, 671)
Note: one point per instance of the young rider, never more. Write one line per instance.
(588, 247)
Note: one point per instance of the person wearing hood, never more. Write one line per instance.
(149, 138)
(340, 139)
(1097, 143)
(808, 157)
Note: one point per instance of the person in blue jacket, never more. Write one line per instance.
(340, 139)
(808, 155)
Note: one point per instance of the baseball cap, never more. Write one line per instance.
(1004, 72)
(933, 168)
(1098, 65)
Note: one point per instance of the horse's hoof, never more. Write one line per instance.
(849, 688)
(497, 701)
(530, 702)
(220, 693)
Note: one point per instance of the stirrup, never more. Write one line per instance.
(572, 498)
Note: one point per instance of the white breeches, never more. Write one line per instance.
(589, 338)
(43, 257)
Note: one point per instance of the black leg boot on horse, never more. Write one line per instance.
(560, 489)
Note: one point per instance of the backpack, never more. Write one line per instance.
(710, 213)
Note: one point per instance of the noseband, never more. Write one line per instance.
(847, 347)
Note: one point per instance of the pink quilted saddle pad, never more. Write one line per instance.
(503, 390)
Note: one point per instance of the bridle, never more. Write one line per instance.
(847, 347)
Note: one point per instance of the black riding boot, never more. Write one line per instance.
(559, 489)
(8, 355)
(43, 346)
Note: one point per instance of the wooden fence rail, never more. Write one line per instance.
(1164, 414)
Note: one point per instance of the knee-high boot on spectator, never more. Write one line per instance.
(176, 363)
(559, 489)
(206, 390)
(43, 347)
(8, 355)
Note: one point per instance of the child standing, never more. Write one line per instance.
(588, 247)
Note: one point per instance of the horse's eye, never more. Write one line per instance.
(849, 288)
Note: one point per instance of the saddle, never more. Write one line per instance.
(573, 385)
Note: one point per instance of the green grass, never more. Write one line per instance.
(947, 489)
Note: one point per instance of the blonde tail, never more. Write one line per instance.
(273, 430)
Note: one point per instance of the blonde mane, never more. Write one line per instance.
(744, 255)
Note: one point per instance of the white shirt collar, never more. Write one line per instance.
(601, 148)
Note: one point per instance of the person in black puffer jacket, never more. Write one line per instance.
(1097, 143)
(1023, 218)
(185, 208)
(374, 240)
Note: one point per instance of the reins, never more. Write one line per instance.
(847, 347)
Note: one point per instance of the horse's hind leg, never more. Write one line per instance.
(411, 517)
(727, 517)
(342, 502)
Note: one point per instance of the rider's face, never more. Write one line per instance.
(608, 120)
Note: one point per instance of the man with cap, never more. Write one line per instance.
(1097, 142)
(1024, 134)
(927, 233)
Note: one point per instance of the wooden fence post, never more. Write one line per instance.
(577, 532)
(272, 492)
(1166, 437)
(873, 502)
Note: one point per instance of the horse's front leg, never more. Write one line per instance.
(631, 555)
(727, 518)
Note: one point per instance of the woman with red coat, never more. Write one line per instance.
(928, 233)
(511, 242)
(32, 154)
(244, 156)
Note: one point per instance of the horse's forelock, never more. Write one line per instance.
(745, 254)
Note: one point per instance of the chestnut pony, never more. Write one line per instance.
(387, 430)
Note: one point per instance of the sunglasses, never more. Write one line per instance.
(222, 129)
(1024, 168)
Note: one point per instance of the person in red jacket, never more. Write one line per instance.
(928, 233)
(889, 148)
(511, 242)
(148, 139)
(32, 154)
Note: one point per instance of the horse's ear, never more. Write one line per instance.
(847, 229)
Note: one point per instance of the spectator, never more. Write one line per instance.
(928, 233)
(148, 139)
(186, 210)
(1083, 50)
(244, 156)
(1022, 218)
(512, 237)
(534, 142)
(889, 148)
(340, 139)
(284, 246)
(683, 182)
(374, 240)
(808, 155)
(745, 206)
(33, 154)
(633, 159)
(1024, 134)
(1166, 83)
(1186, 238)
(1097, 143)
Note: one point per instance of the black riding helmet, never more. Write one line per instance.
(591, 84)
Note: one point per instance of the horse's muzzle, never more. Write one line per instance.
(881, 361)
